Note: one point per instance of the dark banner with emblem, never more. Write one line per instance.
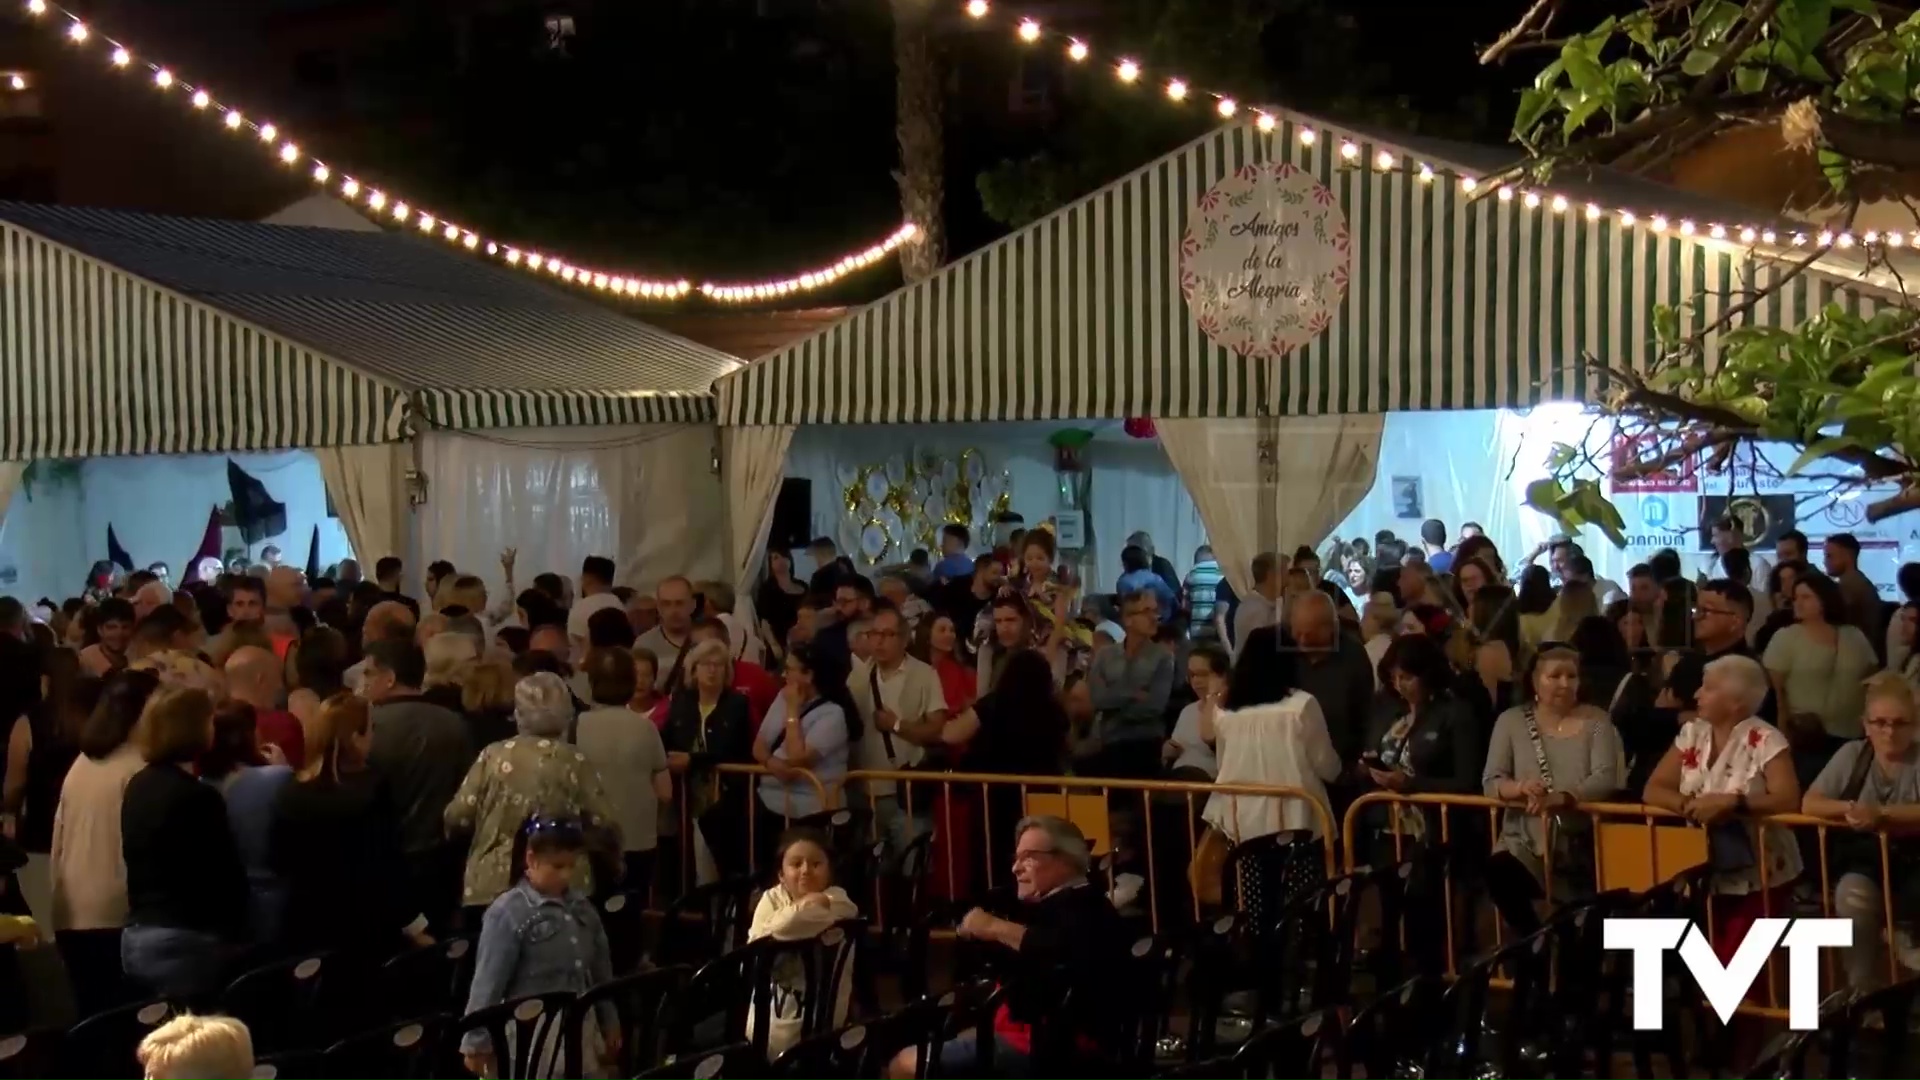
(1758, 519)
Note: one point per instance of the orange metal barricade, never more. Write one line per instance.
(1635, 847)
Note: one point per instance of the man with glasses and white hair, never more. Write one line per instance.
(1065, 929)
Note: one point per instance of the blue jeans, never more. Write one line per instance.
(959, 1056)
(184, 966)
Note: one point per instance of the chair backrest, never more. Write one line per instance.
(723, 1063)
(1463, 1010)
(104, 1045)
(1155, 970)
(707, 922)
(528, 1035)
(1298, 1046)
(1393, 1034)
(426, 982)
(642, 1002)
(403, 1051)
(827, 1056)
(1224, 953)
(30, 1054)
(923, 1026)
(769, 978)
(623, 915)
(280, 1004)
(1892, 1007)
(1261, 876)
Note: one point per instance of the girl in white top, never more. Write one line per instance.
(803, 905)
(1273, 734)
(1207, 669)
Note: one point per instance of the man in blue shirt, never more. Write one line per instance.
(1203, 587)
(954, 563)
(1137, 576)
(1433, 538)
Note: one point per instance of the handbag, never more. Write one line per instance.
(1572, 854)
(1209, 860)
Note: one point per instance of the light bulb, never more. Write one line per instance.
(289, 153)
(1308, 136)
(1895, 239)
(377, 200)
(202, 99)
(1686, 228)
(1128, 71)
(401, 211)
(1717, 232)
(1845, 240)
(1505, 193)
(1029, 31)
(513, 257)
(1826, 239)
(1657, 223)
(1177, 90)
(452, 232)
(121, 57)
(1593, 212)
(268, 132)
(17, 82)
(233, 120)
(1468, 184)
(1384, 159)
(320, 174)
(1747, 235)
(1076, 50)
(1265, 122)
(978, 8)
(1532, 200)
(569, 274)
(78, 31)
(599, 281)
(426, 222)
(493, 248)
(534, 261)
(36, 7)
(1349, 151)
(1426, 174)
(1226, 107)
(471, 241)
(1626, 217)
(1559, 203)
(350, 188)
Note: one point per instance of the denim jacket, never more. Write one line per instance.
(534, 944)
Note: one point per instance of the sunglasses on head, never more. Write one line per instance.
(552, 826)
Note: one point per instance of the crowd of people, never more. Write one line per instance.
(259, 764)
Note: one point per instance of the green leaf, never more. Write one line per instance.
(1561, 456)
(1821, 448)
(1584, 72)
(1700, 61)
(1582, 111)
(1641, 29)
(1804, 22)
(1837, 168)
(1861, 7)
(1749, 79)
(1545, 495)
(1711, 21)
(1533, 106)
(1666, 323)
(1549, 75)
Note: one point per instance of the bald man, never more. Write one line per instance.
(254, 677)
(388, 620)
(152, 595)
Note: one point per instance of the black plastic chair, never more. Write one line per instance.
(1392, 1035)
(105, 1045)
(281, 1005)
(1785, 1058)
(1300, 1046)
(1855, 1035)
(741, 985)
(707, 922)
(642, 1002)
(828, 1056)
(734, 1062)
(30, 1054)
(927, 1024)
(528, 1035)
(1156, 972)
(421, 982)
(292, 1065)
(1460, 1048)
(1226, 959)
(623, 915)
(404, 1051)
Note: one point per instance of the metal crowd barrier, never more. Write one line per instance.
(1637, 847)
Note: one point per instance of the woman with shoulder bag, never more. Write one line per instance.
(1871, 786)
(1547, 755)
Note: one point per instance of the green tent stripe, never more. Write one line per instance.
(95, 361)
(1456, 300)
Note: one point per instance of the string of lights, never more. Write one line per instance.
(385, 205)
(1030, 32)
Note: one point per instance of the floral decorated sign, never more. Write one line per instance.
(1265, 259)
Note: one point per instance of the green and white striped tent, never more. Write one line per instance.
(1457, 300)
(127, 333)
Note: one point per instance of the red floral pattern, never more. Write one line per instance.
(1690, 759)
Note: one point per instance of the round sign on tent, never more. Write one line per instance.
(1265, 259)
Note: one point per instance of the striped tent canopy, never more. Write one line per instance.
(1457, 299)
(134, 333)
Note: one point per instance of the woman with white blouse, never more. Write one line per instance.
(1270, 733)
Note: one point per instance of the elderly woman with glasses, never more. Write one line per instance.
(537, 772)
(1727, 765)
(1871, 785)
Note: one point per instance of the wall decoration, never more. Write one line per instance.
(901, 503)
(1265, 259)
(1407, 500)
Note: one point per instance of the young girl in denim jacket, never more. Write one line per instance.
(543, 936)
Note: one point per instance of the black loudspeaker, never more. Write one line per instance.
(792, 515)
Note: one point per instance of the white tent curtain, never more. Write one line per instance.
(1320, 468)
(368, 488)
(753, 460)
(642, 495)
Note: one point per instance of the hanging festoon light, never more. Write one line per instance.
(375, 201)
(1029, 31)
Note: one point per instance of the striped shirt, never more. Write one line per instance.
(1203, 585)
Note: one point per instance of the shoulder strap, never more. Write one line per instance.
(879, 703)
(1539, 749)
(1858, 779)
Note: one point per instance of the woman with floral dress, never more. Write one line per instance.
(536, 773)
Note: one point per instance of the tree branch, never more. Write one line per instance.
(1535, 20)
(1759, 13)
